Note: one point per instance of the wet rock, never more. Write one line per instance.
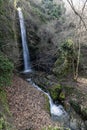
(86, 123)
(73, 125)
(75, 105)
(84, 112)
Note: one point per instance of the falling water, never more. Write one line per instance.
(26, 56)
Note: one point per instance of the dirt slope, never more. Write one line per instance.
(27, 106)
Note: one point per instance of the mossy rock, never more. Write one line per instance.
(75, 105)
(62, 96)
(66, 57)
(55, 92)
(69, 90)
(78, 109)
(84, 113)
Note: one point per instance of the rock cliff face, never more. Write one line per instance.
(42, 29)
(41, 34)
(8, 40)
(45, 33)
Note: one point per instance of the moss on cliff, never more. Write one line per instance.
(5, 114)
(8, 41)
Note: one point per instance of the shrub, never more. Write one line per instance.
(40, 14)
(4, 125)
(55, 91)
(6, 68)
(55, 128)
(52, 9)
(67, 58)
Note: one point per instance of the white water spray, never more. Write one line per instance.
(26, 56)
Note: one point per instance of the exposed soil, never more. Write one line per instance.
(27, 106)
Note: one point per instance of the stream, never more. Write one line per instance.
(57, 111)
(68, 119)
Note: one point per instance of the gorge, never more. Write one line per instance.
(43, 68)
(57, 111)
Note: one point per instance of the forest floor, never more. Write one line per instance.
(27, 106)
(79, 89)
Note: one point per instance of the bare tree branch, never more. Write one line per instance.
(79, 15)
(84, 6)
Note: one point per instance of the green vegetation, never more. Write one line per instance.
(55, 128)
(79, 108)
(55, 92)
(6, 68)
(75, 105)
(52, 9)
(69, 90)
(6, 28)
(62, 96)
(84, 113)
(47, 105)
(4, 102)
(39, 13)
(4, 125)
(4, 112)
(66, 59)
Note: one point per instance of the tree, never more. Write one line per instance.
(66, 58)
(80, 27)
(52, 9)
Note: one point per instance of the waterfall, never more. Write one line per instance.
(26, 56)
(57, 111)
